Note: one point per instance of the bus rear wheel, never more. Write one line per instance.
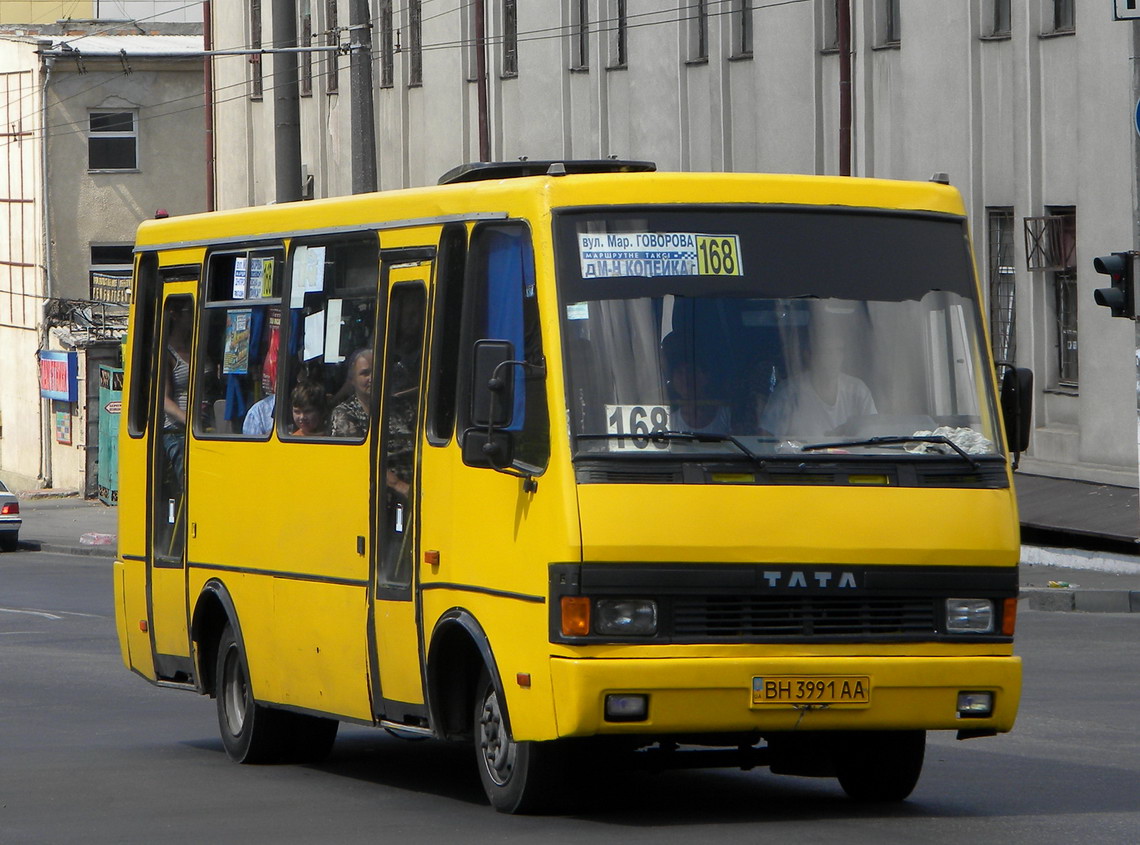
(879, 766)
(251, 733)
(518, 777)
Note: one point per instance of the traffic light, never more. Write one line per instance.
(1121, 297)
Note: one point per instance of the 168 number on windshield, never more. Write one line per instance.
(718, 255)
(640, 423)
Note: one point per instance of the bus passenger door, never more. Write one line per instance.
(398, 689)
(166, 558)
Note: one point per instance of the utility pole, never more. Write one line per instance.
(363, 120)
(481, 76)
(843, 33)
(286, 103)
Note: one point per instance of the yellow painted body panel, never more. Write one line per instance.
(130, 610)
(785, 524)
(714, 694)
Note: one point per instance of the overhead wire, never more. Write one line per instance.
(652, 18)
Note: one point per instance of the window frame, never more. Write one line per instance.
(385, 27)
(131, 135)
(1002, 283)
(256, 78)
(415, 43)
(579, 35)
(509, 20)
(743, 32)
(698, 32)
(890, 23)
(618, 35)
(474, 311)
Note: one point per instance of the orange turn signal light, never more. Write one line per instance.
(575, 616)
(1008, 616)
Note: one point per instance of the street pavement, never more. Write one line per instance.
(1051, 578)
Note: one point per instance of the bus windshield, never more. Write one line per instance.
(764, 332)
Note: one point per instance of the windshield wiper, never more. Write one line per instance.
(690, 436)
(896, 439)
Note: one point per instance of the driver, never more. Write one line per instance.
(821, 397)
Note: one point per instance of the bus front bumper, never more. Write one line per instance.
(699, 696)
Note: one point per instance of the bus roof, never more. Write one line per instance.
(533, 195)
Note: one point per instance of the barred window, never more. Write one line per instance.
(415, 43)
(510, 38)
(256, 86)
(1002, 288)
(387, 48)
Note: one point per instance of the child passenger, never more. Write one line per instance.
(310, 410)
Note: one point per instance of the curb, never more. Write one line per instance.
(1083, 601)
(82, 551)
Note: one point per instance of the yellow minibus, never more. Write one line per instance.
(576, 461)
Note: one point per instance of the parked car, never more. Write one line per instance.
(9, 519)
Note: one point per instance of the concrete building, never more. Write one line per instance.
(102, 123)
(1027, 105)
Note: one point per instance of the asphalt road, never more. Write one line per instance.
(89, 752)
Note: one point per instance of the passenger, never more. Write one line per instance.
(350, 417)
(176, 398)
(310, 410)
(820, 398)
(687, 384)
(259, 418)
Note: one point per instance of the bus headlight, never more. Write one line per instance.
(625, 617)
(969, 616)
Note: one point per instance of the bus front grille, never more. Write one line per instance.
(713, 618)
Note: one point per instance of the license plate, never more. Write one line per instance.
(811, 689)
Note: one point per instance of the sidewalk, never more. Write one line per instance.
(68, 525)
(1051, 578)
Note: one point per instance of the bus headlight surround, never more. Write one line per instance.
(625, 617)
(969, 616)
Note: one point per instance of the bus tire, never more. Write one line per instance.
(251, 733)
(879, 766)
(518, 777)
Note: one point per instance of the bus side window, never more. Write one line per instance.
(241, 330)
(501, 304)
(331, 338)
(444, 375)
(142, 343)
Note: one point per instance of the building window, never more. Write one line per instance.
(256, 86)
(305, 39)
(1002, 288)
(891, 27)
(1064, 16)
(699, 31)
(415, 43)
(742, 28)
(830, 29)
(112, 141)
(617, 34)
(510, 38)
(1064, 282)
(1000, 20)
(580, 34)
(110, 273)
(387, 48)
(332, 39)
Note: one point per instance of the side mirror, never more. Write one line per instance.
(1017, 407)
(492, 384)
(483, 448)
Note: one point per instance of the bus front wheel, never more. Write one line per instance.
(250, 731)
(518, 777)
(879, 766)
